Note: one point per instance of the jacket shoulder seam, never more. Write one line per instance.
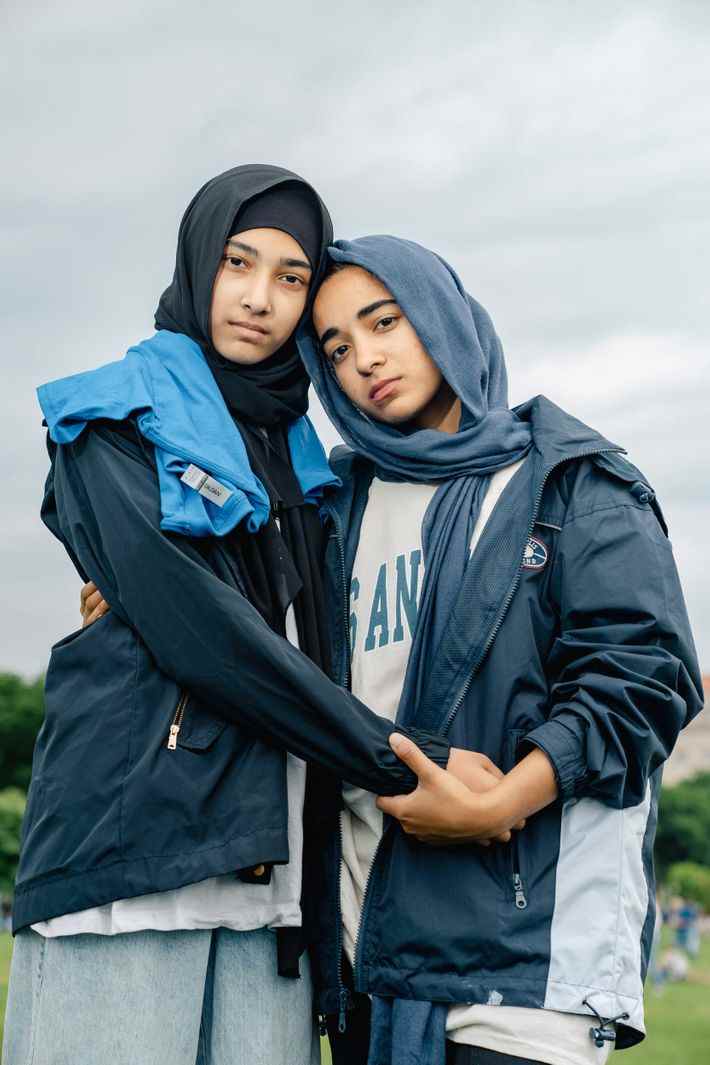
(602, 507)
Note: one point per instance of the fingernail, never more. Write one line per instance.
(396, 741)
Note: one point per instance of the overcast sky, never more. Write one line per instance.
(557, 154)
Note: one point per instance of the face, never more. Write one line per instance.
(259, 294)
(376, 355)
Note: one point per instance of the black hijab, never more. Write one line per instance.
(281, 562)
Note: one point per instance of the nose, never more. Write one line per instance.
(256, 296)
(368, 356)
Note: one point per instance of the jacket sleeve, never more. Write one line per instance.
(201, 631)
(624, 672)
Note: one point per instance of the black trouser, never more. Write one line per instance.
(351, 1046)
(457, 1054)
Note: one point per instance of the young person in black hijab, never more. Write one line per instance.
(259, 373)
(164, 816)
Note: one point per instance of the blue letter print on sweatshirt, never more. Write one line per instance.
(378, 615)
(403, 598)
(407, 597)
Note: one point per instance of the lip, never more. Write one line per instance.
(383, 389)
(251, 327)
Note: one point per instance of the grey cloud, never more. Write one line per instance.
(559, 162)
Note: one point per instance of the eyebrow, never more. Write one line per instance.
(245, 247)
(328, 335)
(362, 313)
(255, 252)
(295, 262)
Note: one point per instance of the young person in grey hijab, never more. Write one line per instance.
(509, 584)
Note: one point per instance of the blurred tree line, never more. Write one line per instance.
(682, 842)
(21, 713)
(683, 839)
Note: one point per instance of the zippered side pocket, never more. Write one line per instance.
(521, 899)
(177, 722)
(194, 727)
(515, 875)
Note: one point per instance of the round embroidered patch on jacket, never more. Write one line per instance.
(535, 554)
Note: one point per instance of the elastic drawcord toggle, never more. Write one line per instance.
(602, 1032)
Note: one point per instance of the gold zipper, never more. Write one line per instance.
(177, 722)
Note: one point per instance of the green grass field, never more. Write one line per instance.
(678, 1020)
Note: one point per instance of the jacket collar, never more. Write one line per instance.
(557, 437)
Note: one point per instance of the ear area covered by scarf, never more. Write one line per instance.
(206, 483)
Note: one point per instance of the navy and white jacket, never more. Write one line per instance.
(118, 806)
(569, 634)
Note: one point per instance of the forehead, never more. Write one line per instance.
(270, 243)
(345, 292)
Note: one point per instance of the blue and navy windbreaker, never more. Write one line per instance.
(569, 634)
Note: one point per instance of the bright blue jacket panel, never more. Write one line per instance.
(167, 385)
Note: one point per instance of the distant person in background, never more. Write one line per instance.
(655, 969)
(687, 931)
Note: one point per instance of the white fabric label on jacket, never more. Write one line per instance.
(207, 486)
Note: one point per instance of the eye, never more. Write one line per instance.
(235, 260)
(387, 321)
(293, 280)
(338, 354)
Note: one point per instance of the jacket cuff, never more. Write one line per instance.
(563, 741)
(432, 745)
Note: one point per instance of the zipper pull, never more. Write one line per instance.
(342, 1022)
(520, 899)
(322, 1026)
(172, 738)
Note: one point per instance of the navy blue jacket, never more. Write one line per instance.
(115, 807)
(569, 634)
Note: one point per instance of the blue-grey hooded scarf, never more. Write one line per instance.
(458, 335)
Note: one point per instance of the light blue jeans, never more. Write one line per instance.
(208, 997)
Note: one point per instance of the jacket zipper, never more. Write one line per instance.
(521, 901)
(344, 587)
(342, 990)
(365, 900)
(343, 995)
(519, 895)
(177, 722)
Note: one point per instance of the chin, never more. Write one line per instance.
(389, 417)
(244, 354)
(398, 412)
